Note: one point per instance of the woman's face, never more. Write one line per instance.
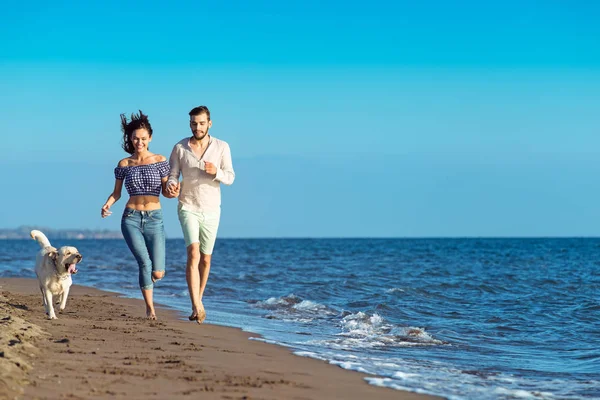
(140, 139)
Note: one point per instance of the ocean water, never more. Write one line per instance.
(459, 318)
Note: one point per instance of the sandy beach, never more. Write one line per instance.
(101, 347)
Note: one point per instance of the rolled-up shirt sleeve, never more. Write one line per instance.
(225, 173)
(175, 166)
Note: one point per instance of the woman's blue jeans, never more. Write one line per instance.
(144, 233)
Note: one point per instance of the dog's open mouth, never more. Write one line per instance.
(71, 268)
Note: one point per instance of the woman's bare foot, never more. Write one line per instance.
(157, 276)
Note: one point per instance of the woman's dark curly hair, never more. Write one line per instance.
(138, 121)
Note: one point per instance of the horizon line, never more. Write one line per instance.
(353, 237)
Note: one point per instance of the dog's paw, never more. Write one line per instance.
(52, 316)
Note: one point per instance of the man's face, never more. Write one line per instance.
(200, 125)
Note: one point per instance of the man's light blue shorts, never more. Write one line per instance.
(199, 227)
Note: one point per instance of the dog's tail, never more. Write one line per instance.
(41, 238)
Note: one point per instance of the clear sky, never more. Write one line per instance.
(345, 119)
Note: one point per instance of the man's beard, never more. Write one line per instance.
(201, 137)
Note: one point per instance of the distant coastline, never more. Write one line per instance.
(22, 232)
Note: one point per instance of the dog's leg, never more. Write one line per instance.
(49, 305)
(63, 299)
(44, 299)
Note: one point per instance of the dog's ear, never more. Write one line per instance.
(53, 255)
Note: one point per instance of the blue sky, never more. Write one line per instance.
(347, 118)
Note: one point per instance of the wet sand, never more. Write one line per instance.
(102, 347)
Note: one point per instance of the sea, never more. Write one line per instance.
(472, 318)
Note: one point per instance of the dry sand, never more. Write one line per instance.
(101, 347)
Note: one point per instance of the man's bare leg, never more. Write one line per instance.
(192, 275)
(203, 270)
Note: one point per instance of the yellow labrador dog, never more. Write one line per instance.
(54, 268)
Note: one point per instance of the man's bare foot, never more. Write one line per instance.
(201, 313)
(150, 314)
(198, 315)
(201, 316)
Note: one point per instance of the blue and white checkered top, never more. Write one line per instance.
(143, 180)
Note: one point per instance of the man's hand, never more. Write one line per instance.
(210, 168)
(173, 190)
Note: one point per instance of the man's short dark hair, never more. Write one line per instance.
(200, 110)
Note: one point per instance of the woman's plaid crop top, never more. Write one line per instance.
(143, 180)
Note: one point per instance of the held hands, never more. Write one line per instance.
(210, 168)
(105, 211)
(173, 189)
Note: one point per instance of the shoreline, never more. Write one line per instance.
(100, 348)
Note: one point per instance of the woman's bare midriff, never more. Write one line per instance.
(143, 203)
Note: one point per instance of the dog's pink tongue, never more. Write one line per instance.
(72, 268)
